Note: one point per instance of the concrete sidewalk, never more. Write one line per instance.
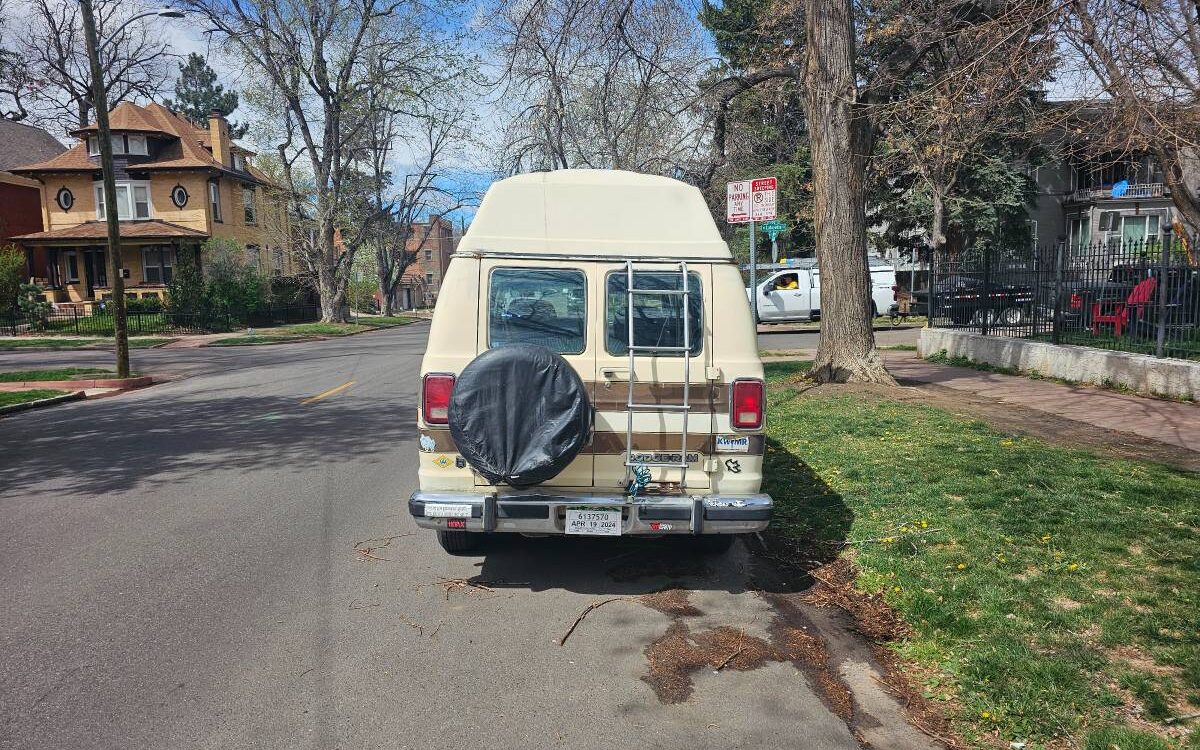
(1176, 423)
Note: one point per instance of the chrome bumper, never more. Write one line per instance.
(538, 512)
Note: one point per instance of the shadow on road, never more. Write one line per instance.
(116, 444)
(809, 529)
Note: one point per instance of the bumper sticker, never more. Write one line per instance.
(732, 443)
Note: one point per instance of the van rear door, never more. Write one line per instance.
(549, 304)
(658, 378)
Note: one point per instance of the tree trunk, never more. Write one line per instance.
(1186, 200)
(387, 291)
(333, 295)
(846, 351)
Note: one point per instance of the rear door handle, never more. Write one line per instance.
(610, 373)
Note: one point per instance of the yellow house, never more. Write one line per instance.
(177, 186)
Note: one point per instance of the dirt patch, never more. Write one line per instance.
(672, 602)
(872, 615)
(1019, 420)
(1070, 605)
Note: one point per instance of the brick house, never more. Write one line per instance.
(177, 186)
(433, 242)
(21, 197)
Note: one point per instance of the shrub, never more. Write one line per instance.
(186, 294)
(232, 286)
(144, 305)
(12, 271)
(31, 301)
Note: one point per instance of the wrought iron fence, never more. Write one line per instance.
(99, 322)
(1135, 296)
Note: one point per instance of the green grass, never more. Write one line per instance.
(56, 343)
(10, 398)
(385, 320)
(1045, 586)
(298, 331)
(61, 373)
(899, 348)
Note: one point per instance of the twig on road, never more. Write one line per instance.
(364, 552)
(586, 611)
(725, 662)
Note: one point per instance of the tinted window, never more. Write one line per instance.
(657, 318)
(531, 306)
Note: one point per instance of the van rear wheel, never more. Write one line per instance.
(457, 542)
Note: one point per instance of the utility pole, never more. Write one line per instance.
(111, 210)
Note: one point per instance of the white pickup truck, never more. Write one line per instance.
(791, 290)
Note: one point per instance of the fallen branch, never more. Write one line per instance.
(1185, 717)
(730, 658)
(365, 552)
(587, 610)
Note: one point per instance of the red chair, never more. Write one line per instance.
(1117, 313)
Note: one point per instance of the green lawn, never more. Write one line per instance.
(61, 373)
(1052, 594)
(57, 343)
(300, 331)
(21, 397)
(385, 320)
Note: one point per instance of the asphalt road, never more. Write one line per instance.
(190, 566)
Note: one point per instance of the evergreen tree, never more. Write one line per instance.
(198, 94)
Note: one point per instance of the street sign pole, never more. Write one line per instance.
(753, 275)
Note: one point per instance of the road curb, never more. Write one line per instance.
(14, 408)
(117, 384)
(302, 339)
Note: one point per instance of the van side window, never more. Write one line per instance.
(538, 306)
(657, 319)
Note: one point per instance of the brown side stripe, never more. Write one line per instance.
(613, 443)
(704, 399)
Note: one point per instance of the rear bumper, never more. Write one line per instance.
(544, 513)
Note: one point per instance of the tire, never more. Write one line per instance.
(1012, 316)
(457, 542)
(714, 544)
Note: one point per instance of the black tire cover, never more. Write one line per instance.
(520, 414)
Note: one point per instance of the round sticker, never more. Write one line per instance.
(179, 196)
(65, 199)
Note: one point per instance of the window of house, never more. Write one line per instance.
(93, 145)
(133, 200)
(428, 278)
(136, 144)
(239, 163)
(428, 255)
(277, 259)
(657, 318)
(533, 306)
(158, 265)
(214, 200)
(71, 261)
(118, 144)
(253, 257)
(1080, 237)
(248, 205)
(1110, 221)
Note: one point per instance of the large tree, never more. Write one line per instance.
(1146, 58)
(14, 73)
(321, 62)
(606, 84)
(197, 94)
(58, 76)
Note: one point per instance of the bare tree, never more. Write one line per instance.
(58, 87)
(14, 74)
(600, 83)
(323, 61)
(1146, 57)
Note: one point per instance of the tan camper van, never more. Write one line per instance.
(548, 408)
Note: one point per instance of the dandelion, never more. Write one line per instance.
(896, 589)
(985, 714)
(888, 540)
(924, 524)
(962, 566)
(1073, 566)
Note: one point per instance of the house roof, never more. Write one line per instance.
(20, 142)
(186, 151)
(98, 230)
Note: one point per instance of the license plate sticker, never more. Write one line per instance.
(445, 510)
(594, 522)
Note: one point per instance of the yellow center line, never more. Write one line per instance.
(327, 394)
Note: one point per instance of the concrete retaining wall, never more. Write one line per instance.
(1175, 378)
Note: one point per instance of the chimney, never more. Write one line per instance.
(218, 133)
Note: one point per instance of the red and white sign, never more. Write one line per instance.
(750, 200)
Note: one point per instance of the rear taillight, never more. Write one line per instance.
(746, 405)
(435, 397)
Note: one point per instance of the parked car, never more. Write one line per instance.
(963, 300)
(555, 400)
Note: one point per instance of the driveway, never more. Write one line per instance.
(226, 561)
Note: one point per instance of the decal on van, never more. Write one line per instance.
(428, 444)
(733, 444)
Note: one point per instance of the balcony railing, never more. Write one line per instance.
(1142, 190)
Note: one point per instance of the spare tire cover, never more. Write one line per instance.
(519, 414)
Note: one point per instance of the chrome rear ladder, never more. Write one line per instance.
(631, 406)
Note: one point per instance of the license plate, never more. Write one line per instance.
(443, 510)
(594, 522)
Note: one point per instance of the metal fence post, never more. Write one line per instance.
(1161, 293)
(931, 297)
(1059, 262)
(75, 315)
(985, 313)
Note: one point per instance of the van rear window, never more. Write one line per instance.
(547, 307)
(657, 318)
